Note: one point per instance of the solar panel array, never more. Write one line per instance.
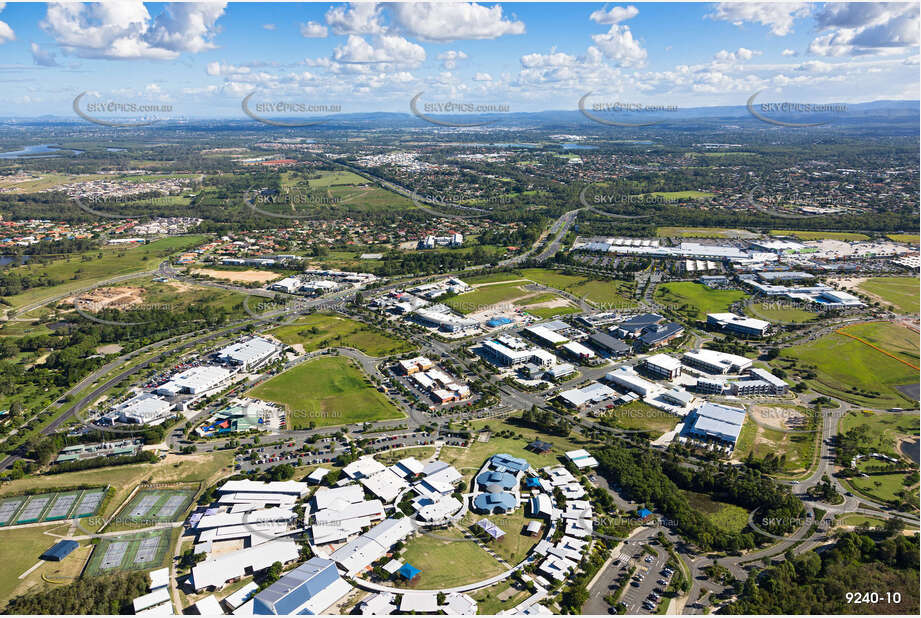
(147, 549)
(8, 509)
(61, 506)
(115, 554)
(34, 507)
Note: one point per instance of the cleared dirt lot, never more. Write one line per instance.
(248, 276)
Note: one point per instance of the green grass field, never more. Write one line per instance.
(326, 391)
(606, 293)
(901, 292)
(86, 269)
(882, 487)
(810, 235)
(447, 559)
(773, 312)
(328, 178)
(681, 195)
(912, 239)
(855, 372)
(637, 415)
(21, 549)
(321, 330)
(860, 520)
(886, 428)
(516, 545)
(695, 300)
(697, 232)
(486, 296)
(157, 505)
(727, 517)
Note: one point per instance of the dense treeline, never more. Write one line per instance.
(818, 583)
(545, 421)
(107, 594)
(103, 462)
(646, 478)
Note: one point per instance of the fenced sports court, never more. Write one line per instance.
(51, 506)
(157, 505)
(129, 552)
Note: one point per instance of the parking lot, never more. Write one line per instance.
(650, 579)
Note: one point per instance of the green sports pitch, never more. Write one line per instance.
(157, 506)
(129, 552)
(52, 506)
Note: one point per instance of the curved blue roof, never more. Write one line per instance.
(494, 477)
(490, 502)
(506, 461)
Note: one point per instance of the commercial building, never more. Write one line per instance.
(582, 459)
(660, 334)
(715, 422)
(249, 354)
(194, 381)
(628, 379)
(663, 365)
(357, 555)
(608, 344)
(294, 489)
(546, 336)
(560, 371)
(499, 353)
(635, 326)
(760, 382)
(143, 409)
(715, 362)
(414, 365)
(216, 572)
(442, 318)
(578, 351)
(738, 324)
(309, 589)
(580, 397)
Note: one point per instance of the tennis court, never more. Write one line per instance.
(33, 509)
(129, 552)
(52, 506)
(9, 508)
(61, 506)
(157, 505)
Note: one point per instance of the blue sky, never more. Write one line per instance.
(202, 59)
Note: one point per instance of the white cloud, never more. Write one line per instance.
(788, 52)
(614, 15)
(386, 49)
(449, 59)
(313, 30)
(779, 16)
(619, 45)
(357, 18)
(41, 57)
(816, 66)
(454, 21)
(740, 55)
(866, 28)
(482, 77)
(125, 30)
(6, 33)
(268, 26)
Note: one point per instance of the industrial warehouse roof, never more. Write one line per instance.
(718, 421)
(582, 458)
(196, 379)
(738, 320)
(609, 343)
(664, 361)
(720, 361)
(217, 571)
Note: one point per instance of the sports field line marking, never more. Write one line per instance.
(878, 349)
(32, 568)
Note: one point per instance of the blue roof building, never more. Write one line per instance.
(59, 550)
(307, 590)
(491, 502)
(504, 462)
(533, 482)
(643, 513)
(494, 478)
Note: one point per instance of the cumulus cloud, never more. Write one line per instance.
(866, 28)
(41, 57)
(357, 18)
(449, 59)
(778, 16)
(788, 52)
(740, 55)
(125, 30)
(614, 15)
(482, 77)
(268, 26)
(385, 49)
(313, 30)
(454, 21)
(6, 33)
(619, 45)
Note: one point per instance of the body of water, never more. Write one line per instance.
(578, 147)
(38, 151)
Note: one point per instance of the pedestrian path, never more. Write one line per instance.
(486, 548)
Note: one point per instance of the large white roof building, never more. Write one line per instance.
(218, 571)
(248, 354)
